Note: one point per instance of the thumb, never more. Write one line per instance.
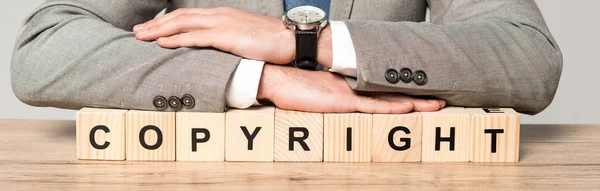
(371, 105)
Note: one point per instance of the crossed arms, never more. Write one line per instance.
(73, 54)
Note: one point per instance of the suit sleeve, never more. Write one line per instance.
(473, 53)
(82, 53)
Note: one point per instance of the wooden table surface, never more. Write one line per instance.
(40, 154)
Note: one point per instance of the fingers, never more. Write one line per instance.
(201, 38)
(426, 105)
(442, 103)
(179, 24)
(419, 103)
(181, 13)
(372, 105)
(171, 15)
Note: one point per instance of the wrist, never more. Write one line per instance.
(324, 47)
(266, 81)
(285, 51)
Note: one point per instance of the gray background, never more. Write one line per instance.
(572, 23)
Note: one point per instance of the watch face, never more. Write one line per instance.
(306, 14)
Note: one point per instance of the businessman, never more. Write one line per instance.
(205, 55)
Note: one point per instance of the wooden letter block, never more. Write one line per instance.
(150, 136)
(200, 136)
(249, 134)
(446, 135)
(101, 134)
(397, 138)
(298, 136)
(347, 137)
(495, 134)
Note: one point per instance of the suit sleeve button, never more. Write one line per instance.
(175, 103)
(160, 102)
(406, 75)
(188, 101)
(420, 78)
(391, 75)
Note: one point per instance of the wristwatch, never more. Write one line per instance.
(306, 22)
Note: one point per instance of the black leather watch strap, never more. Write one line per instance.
(306, 49)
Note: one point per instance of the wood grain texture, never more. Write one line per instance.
(209, 126)
(335, 147)
(383, 124)
(114, 122)
(446, 119)
(164, 121)
(506, 143)
(312, 123)
(40, 155)
(237, 144)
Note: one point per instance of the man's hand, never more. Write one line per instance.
(295, 89)
(242, 33)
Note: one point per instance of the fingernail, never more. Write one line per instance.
(138, 27)
(433, 102)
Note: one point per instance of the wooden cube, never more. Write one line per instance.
(495, 135)
(446, 135)
(200, 136)
(298, 136)
(150, 136)
(347, 137)
(249, 134)
(397, 138)
(100, 134)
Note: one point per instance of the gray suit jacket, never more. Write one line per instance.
(76, 53)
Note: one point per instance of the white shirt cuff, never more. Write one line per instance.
(344, 56)
(243, 86)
